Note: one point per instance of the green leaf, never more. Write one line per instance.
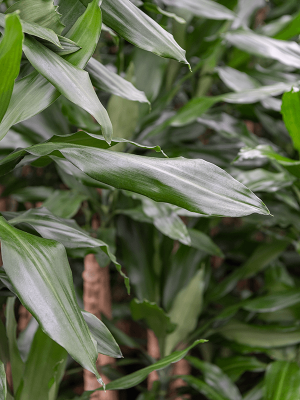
(157, 10)
(260, 259)
(17, 365)
(69, 80)
(137, 377)
(45, 354)
(256, 393)
(237, 80)
(216, 378)
(106, 343)
(203, 388)
(155, 318)
(10, 58)
(36, 30)
(288, 53)
(185, 310)
(139, 29)
(273, 302)
(42, 265)
(203, 8)
(245, 10)
(266, 337)
(64, 203)
(3, 386)
(195, 185)
(34, 93)
(282, 381)
(235, 366)
(203, 242)
(290, 111)
(43, 13)
(104, 79)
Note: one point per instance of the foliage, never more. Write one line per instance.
(182, 187)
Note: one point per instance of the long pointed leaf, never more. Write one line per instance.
(195, 185)
(10, 58)
(41, 277)
(282, 381)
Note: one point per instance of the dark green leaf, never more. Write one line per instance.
(157, 10)
(42, 265)
(10, 58)
(64, 203)
(282, 381)
(235, 366)
(290, 110)
(203, 242)
(273, 302)
(203, 388)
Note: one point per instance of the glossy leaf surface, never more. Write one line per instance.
(282, 381)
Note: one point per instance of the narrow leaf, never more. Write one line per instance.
(10, 58)
(3, 386)
(290, 111)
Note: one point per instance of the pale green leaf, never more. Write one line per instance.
(282, 381)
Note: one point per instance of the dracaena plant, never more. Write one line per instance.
(71, 123)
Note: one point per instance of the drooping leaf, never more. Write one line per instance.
(106, 343)
(203, 8)
(104, 79)
(282, 381)
(237, 80)
(69, 80)
(245, 10)
(10, 58)
(43, 13)
(139, 29)
(290, 111)
(42, 265)
(288, 53)
(185, 310)
(235, 366)
(64, 203)
(195, 185)
(45, 354)
(216, 378)
(203, 388)
(203, 242)
(3, 385)
(157, 10)
(137, 377)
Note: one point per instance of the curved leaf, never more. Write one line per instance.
(41, 277)
(139, 29)
(195, 185)
(71, 81)
(10, 58)
(104, 79)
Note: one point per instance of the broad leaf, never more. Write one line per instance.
(42, 265)
(203, 8)
(10, 58)
(64, 203)
(273, 302)
(139, 29)
(104, 79)
(282, 381)
(196, 185)
(202, 387)
(69, 80)
(137, 377)
(235, 366)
